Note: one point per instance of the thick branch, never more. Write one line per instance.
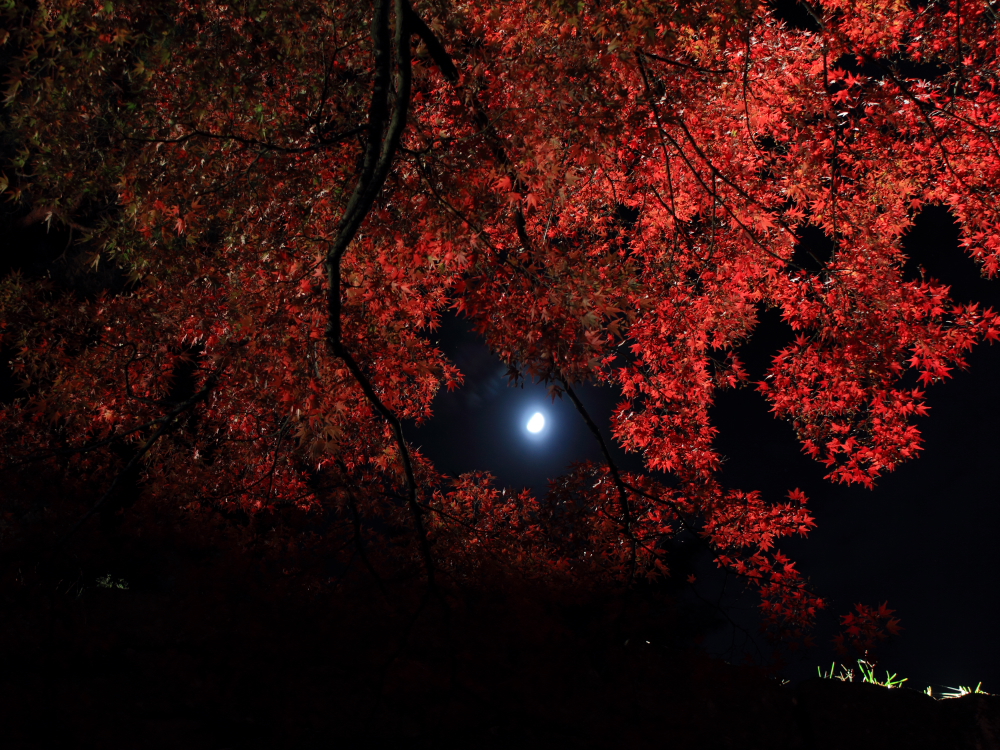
(384, 133)
(367, 187)
(437, 51)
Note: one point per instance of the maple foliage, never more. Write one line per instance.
(609, 192)
(864, 628)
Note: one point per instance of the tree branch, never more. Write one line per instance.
(615, 476)
(385, 129)
(447, 67)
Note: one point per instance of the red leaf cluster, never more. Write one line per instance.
(610, 192)
(864, 628)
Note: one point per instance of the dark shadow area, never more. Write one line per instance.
(196, 646)
(168, 631)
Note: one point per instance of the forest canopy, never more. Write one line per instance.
(278, 201)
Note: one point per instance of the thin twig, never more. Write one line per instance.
(623, 502)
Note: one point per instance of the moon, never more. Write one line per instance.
(537, 422)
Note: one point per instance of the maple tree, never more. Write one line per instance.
(609, 192)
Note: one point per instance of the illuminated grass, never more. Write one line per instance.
(867, 672)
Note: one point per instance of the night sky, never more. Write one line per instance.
(923, 539)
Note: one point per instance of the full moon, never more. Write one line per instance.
(537, 422)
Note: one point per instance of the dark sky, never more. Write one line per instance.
(923, 539)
